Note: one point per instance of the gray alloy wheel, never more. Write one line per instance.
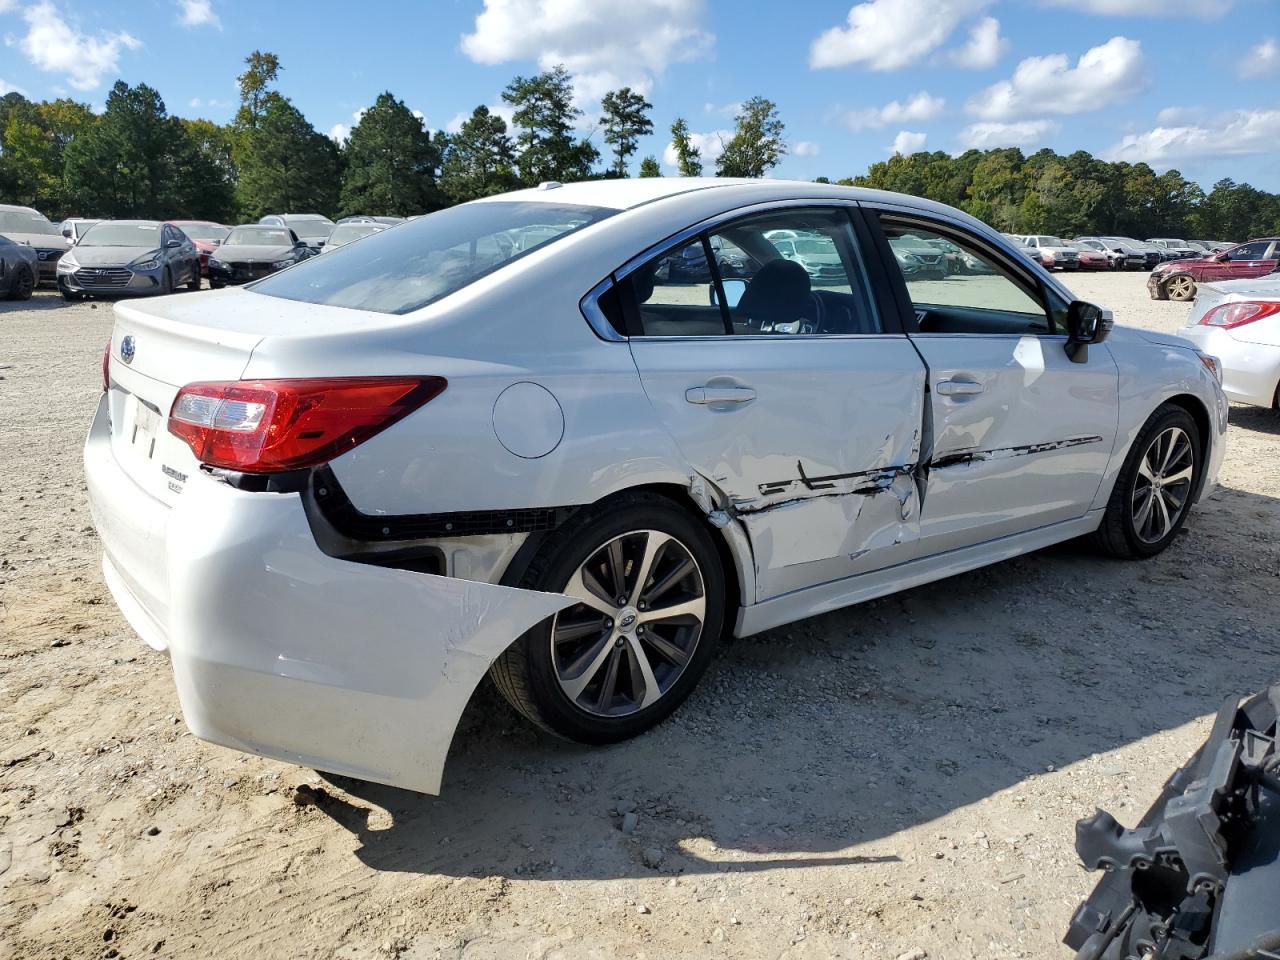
(1180, 287)
(640, 620)
(24, 283)
(1166, 477)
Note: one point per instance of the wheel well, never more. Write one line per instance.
(1196, 409)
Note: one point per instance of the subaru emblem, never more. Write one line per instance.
(127, 349)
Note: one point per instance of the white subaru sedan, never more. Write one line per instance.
(568, 437)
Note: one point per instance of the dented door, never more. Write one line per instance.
(811, 440)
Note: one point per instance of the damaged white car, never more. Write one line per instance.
(569, 436)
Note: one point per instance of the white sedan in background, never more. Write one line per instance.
(1238, 321)
(342, 495)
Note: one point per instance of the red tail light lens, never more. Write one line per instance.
(1230, 315)
(266, 426)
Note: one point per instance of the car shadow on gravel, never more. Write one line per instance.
(815, 744)
(40, 300)
(1255, 419)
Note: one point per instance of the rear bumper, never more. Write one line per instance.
(224, 273)
(1250, 371)
(280, 650)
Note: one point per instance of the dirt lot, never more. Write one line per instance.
(898, 779)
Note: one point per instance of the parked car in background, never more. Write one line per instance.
(918, 258)
(1153, 255)
(206, 235)
(19, 269)
(958, 260)
(253, 251)
(374, 479)
(311, 228)
(1031, 253)
(129, 258)
(1055, 253)
(73, 228)
(351, 229)
(1238, 321)
(1088, 257)
(1175, 249)
(361, 218)
(25, 225)
(1177, 279)
(1217, 246)
(819, 257)
(1121, 255)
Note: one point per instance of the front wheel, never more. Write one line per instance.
(24, 283)
(1180, 287)
(651, 606)
(194, 282)
(1153, 492)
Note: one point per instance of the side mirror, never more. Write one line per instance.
(1086, 323)
(1220, 256)
(170, 243)
(733, 291)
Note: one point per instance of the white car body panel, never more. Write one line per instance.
(1250, 353)
(284, 649)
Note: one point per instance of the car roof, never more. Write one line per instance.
(134, 223)
(15, 208)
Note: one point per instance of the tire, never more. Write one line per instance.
(194, 282)
(1180, 287)
(1127, 530)
(215, 284)
(23, 283)
(544, 686)
(70, 296)
(166, 287)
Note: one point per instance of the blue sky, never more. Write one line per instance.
(1191, 84)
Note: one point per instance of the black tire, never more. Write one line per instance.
(526, 675)
(166, 284)
(1118, 533)
(71, 296)
(215, 284)
(194, 282)
(23, 283)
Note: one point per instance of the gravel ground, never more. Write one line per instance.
(899, 779)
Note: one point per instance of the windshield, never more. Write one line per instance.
(421, 261)
(346, 232)
(1052, 242)
(122, 235)
(260, 237)
(204, 231)
(12, 221)
(310, 228)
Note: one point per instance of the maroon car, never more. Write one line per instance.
(1177, 279)
(206, 235)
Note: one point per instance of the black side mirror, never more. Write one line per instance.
(1086, 323)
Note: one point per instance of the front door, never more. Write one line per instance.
(787, 389)
(1019, 436)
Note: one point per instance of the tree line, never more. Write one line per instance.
(136, 160)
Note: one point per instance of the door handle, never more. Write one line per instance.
(960, 388)
(719, 394)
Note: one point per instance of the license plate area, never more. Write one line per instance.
(141, 426)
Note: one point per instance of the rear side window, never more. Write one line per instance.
(419, 262)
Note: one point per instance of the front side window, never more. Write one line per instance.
(975, 293)
(792, 272)
(401, 270)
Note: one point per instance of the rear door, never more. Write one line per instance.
(799, 398)
(1018, 436)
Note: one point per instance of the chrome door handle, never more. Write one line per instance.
(960, 388)
(719, 394)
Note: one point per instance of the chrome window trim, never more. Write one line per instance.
(596, 319)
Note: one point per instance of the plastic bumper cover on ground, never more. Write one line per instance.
(280, 650)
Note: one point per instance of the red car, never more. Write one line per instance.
(1177, 279)
(1091, 259)
(206, 235)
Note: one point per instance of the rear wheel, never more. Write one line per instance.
(1180, 287)
(651, 607)
(23, 283)
(1152, 495)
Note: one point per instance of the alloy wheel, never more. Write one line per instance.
(24, 285)
(640, 617)
(1180, 288)
(1163, 484)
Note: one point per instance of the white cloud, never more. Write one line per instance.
(1103, 75)
(1206, 9)
(1234, 134)
(724, 109)
(195, 102)
(7, 87)
(710, 146)
(918, 106)
(197, 13)
(1024, 133)
(805, 148)
(1180, 116)
(907, 142)
(984, 47)
(605, 46)
(340, 132)
(56, 46)
(1261, 61)
(891, 34)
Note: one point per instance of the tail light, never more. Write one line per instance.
(267, 426)
(1229, 315)
(106, 367)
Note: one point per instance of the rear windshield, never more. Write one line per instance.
(122, 235)
(400, 270)
(260, 237)
(346, 232)
(11, 221)
(310, 228)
